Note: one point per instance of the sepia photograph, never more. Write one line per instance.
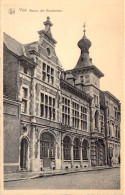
(62, 67)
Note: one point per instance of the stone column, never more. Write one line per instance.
(106, 152)
(72, 156)
(32, 148)
(89, 156)
(62, 154)
(38, 155)
(56, 144)
(32, 104)
(81, 155)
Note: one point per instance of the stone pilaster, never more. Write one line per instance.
(72, 156)
(81, 155)
(32, 148)
(56, 158)
(62, 157)
(106, 152)
(32, 104)
(93, 152)
(89, 156)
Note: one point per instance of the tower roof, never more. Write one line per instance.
(84, 44)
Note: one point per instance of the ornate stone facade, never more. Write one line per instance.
(65, 120)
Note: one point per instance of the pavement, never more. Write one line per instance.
(23, 175)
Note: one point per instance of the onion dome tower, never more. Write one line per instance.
(84, 44)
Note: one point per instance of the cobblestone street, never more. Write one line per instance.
(102, 179)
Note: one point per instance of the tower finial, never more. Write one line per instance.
(84, 28)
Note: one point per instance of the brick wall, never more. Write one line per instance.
(10, 72)
(11, 135)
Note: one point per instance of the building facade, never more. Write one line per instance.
(62, 119)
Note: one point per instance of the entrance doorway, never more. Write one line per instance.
(47, 148)
(24, 153)
(100, 153)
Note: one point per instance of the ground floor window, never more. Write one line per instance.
(67, 148)
(47, 146)
(85, 150)
(76, 149)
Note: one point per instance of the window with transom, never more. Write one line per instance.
(65, 111)
(47, 107)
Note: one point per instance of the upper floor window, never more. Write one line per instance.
(83, 118)
(96, 119)
(102, 122)
(48, 74)
(85, 78)
(75, 115)
(47, 107)
(95, 99)
(65, 111)
(24, 103)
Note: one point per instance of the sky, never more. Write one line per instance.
(104, 28)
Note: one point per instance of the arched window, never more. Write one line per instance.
(67, 148)
(76, 149)
(47, 148)
(85, 146)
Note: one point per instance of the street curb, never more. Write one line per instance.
(65, 173)
(56, 174)
(15, 179)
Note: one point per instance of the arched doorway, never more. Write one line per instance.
(47, 148)
(67, 148)
(100, 153)
(76, 149)
(85, 147)
(24, 154)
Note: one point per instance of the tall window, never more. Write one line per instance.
(24, 100)
(67, 148)
(85, 150)
(76, 149)
(102, 122)
(65, 111)
(96, 119)
(83, 118)
(109, 129)
(48, 74)
(47, 107)
(116, 131)
(95, 99)
(75, 115)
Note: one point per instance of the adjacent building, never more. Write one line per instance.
(56, 119)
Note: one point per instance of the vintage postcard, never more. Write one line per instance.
(62, 97)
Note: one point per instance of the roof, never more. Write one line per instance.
(16, 47)
(109, 94)
(93, 68)
(13, 45)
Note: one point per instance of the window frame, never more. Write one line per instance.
(47, 106)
